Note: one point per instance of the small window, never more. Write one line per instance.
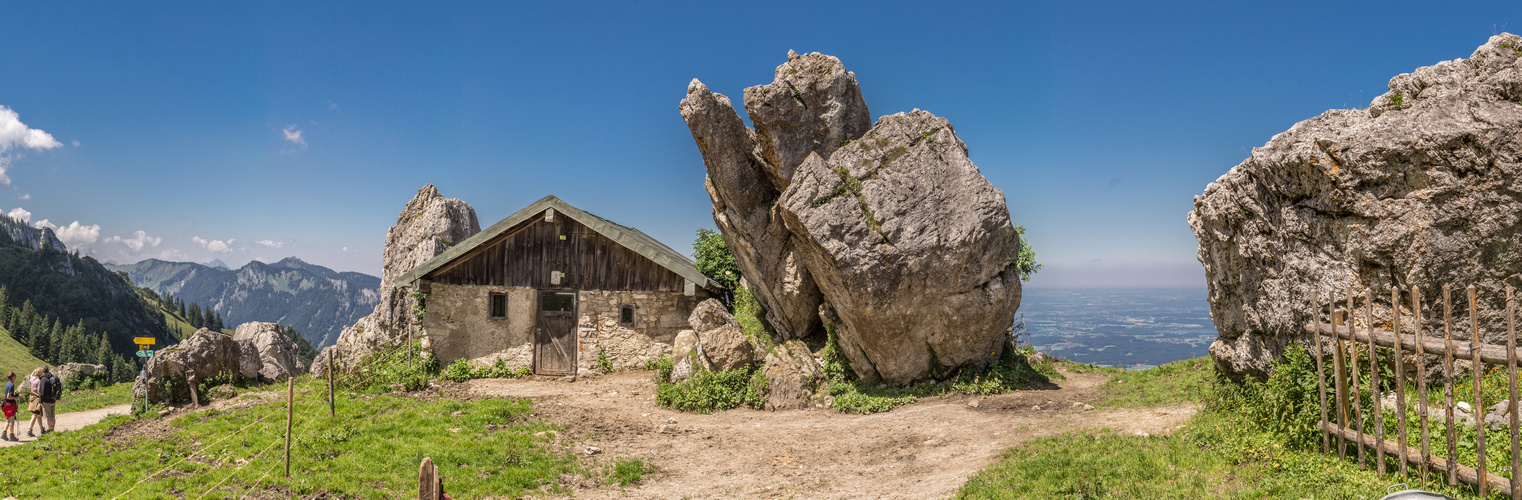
(626, 315)
(498, 305)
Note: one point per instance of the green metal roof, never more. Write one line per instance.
(629, 237)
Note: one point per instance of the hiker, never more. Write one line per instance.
(52, 390)
(9, 408)
(34, 388)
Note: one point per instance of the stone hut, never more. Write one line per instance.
(555, 288)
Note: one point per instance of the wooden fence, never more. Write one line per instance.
(1346, 422)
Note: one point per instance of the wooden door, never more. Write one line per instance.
(555, 333)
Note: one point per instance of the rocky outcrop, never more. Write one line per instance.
(747, 173)
(1417, 190)
(724, 343)
(793, 376)
(708, 315)
(275, 353)
(210, 354)
(892, 223)
(911, 246)
(427, 226)
(70, 370)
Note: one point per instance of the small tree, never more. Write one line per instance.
(1025, 261)
(715, 260)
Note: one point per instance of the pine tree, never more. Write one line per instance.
(5, 306)
(23, 331)
(181, 307)
(56, 340)
(103, 353)
(209, 319)
(76, 345)
(39, 348)
(194, 316)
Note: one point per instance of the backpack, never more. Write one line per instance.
(52, 388)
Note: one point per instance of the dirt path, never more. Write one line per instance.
(923, 450)
(70, 421)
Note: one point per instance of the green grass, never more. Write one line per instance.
(1010, 373)
(14, 357)
(90, 399)
(628, 471)
(1251, 440)
(1173, 382)
(371, 449)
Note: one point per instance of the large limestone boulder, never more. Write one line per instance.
(710, 314)
(747, 172)
(426, 227)
(793, 376)
(728, 348)
(276, 353)
(70, 370)
(1417, 190)
(210, 354)
(911, 246)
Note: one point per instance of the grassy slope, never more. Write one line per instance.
(14, 357)
(1220, 453)
(370, 450)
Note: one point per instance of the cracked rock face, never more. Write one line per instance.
(912, 247)
(426, 227)
(891, 224)
(1423, 188)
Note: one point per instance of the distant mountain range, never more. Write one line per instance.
(317, 301)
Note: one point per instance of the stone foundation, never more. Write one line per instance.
(458, 324)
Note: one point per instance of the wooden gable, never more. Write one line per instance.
(529, 253)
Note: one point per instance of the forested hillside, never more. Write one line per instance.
(317, 301)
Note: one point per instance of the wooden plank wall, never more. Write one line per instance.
(526, 255)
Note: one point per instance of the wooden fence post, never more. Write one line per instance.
(1357, 394)
(1340, 379)
(1400, 380)
(290, 414)
(190, 381)
(1453, 452)
(1378, 406)
(1326, 446)
(1421, 378)
(331, 411)
(1477, 367)
(1511, 373)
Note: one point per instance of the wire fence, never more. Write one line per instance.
(370, 371)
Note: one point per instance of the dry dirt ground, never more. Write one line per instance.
(923, 450)
(65, 422)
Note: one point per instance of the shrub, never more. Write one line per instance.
(463, 369)
(706, 391)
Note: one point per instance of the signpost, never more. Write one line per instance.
(144, 346)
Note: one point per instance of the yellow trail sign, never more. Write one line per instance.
(143, 340)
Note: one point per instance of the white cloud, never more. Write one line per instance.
(218, 246)
(21, 214)
(271, 244)
(346, 249)
(77, 236)
(333, 106)
(293, 135)
(138, 241)
(26, 196)
(76, 143)
(14, 135)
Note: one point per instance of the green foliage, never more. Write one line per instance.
(1011, 372)
(753, 320)
(406, 367)
(836, 367)
(706, 391)
(1025, 261)
(714, 259)
(420, 307)
(628, 471)
(603, 363)
(1186, 380)
(464, 369)
(1286, 406)
(1396, 99)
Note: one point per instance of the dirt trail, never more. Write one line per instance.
(924, 450)
(70, 421)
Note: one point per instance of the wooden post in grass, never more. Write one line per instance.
(1477, 367)
(1353, 363)
(1339, 379)
(1453, 452)
(1326, 445)
(1511, 373)
(1421, 379)
(1378, 400)
(290, 414)
(429, 485)
(1400, 379)
(190, 381)
(331, 411)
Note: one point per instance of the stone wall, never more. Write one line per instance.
(458, 324)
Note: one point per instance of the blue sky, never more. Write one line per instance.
(249, 130)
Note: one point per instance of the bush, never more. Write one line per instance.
(1287, 405)
(407, 365)
(463, 369)
(706, 391)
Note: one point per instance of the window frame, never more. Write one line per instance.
(633, 311)
(491, 305)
